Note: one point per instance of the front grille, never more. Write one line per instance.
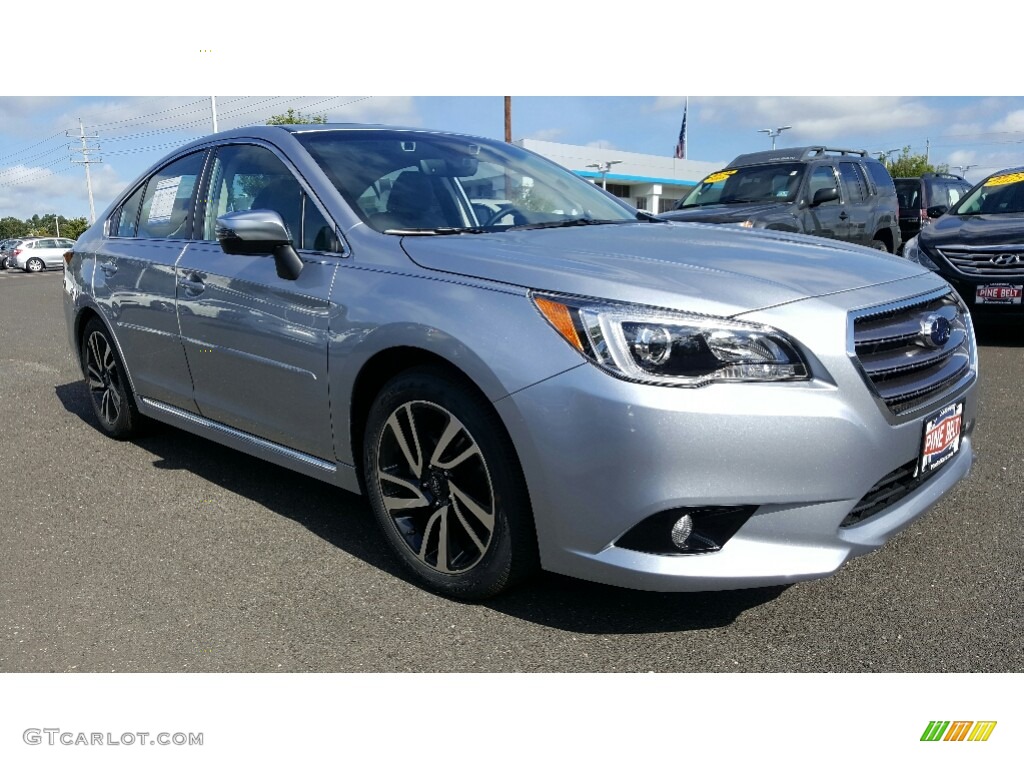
(914, 353)
(986, 261)
(885, 493)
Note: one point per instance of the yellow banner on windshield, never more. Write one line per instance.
(1009, 178)
(720, 176)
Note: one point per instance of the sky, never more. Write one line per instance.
(578, 75)
(40, 135)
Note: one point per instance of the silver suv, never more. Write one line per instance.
(549, 380)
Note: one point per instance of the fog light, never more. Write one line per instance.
(681, 531)
(686, 531)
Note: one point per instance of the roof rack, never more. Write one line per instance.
(941, 175)
(818, 151)
(793, 155)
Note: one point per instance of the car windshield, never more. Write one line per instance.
(775, 183)
(411, 182)
(1001, 193)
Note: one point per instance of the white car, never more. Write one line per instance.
(39, 253)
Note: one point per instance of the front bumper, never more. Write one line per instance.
(600, 455)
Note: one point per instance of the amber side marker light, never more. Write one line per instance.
(558, 315)
(67, 256)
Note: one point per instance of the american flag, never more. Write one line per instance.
(681, 145)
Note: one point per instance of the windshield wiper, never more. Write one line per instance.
(437, 231)
(644, 216)
(580, 222)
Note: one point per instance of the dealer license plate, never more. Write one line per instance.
(998, 293)
(941, 437)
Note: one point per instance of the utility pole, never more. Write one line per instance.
(56, 223)
(213, 108)
(927, 147)
(508, 119)
(86, 160)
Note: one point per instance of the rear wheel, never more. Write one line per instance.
(446, 488)
(109, 392)
(34, 264)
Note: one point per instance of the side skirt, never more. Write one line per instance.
(342, 475)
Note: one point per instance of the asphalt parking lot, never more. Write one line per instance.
(169, 553)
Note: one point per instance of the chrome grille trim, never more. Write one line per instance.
(986, 260)
(905, 369)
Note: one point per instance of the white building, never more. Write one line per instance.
(650, 182)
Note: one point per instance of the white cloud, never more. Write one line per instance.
(1013, 121)
(546, 134)
(672, 103)
(817, 118)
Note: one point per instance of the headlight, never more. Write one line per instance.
(655, 346)
(912, 252)
(748, 224)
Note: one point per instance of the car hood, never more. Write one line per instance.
(694, 267)
(726, 214)
(985, 229)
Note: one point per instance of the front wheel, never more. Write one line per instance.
(446, 488)
(34, 265)
(878, 245)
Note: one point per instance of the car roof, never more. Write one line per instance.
(274, 131)
(796, 155)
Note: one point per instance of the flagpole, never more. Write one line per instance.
(686, 108)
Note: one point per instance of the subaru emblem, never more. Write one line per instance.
(936, 330)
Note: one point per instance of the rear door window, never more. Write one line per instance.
(854, 181)
(170, 199)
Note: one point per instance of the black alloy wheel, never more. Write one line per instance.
(109, 393)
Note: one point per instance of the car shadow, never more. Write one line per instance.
(344, 520)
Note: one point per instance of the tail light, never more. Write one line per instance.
(67, 256)
(924, 215)
(15, 252)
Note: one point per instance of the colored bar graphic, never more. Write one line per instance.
(935, 730)
(982, 730)
(959, 730)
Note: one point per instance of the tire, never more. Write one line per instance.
(446, 487)
(109, 391)
(34, 264)
(878, 245)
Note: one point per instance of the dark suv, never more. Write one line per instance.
(839, 193)
(925, 198)
(978, 246)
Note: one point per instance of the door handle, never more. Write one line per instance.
(109, 267)
(192, 284)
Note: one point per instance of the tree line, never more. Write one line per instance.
(47, 225)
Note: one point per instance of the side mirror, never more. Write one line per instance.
(824, 196)
(937, 210)
(259, 233)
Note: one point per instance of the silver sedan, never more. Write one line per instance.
(518, 370)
